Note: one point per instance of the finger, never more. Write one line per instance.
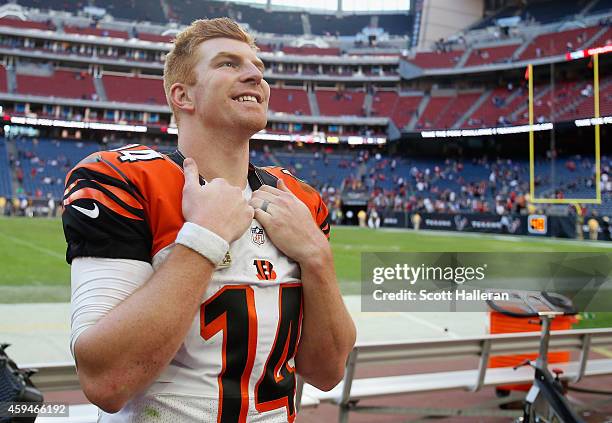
(251, 211)
(263, 195)
(190, 168)
(258, 203)
(262, 217)
(282, 186)
(270, 189)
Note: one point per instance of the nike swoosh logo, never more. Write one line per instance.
(93, 213)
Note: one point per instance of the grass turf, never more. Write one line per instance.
(34, 268)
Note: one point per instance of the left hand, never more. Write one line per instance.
(288, 223)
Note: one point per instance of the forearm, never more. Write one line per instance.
(328, 331)
(128, 348)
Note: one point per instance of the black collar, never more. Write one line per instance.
(256, 177)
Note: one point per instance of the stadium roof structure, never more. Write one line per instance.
(328, 6)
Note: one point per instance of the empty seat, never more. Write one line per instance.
(558, 43)
(62, 83)
(3, 83)
(289, 100)
(429, 60)
(134, 89)
(485, 55)
(346, 103)
(100, 32)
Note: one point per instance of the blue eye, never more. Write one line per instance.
(229, 64)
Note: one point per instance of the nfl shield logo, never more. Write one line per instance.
(257, 235)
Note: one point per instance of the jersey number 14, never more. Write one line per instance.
(232, 311)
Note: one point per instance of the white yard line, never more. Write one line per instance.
(33, 246)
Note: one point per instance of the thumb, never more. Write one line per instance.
(282, 186)
(190, 168)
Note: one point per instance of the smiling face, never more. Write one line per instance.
(229, 91)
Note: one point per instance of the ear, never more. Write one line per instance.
(181, 98)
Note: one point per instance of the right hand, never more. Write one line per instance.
(216, 206)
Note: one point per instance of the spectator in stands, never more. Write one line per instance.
(19, 175)
(587, 91)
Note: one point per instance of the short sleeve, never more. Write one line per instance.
(104, 215)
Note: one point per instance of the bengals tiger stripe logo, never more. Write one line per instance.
(265, 270)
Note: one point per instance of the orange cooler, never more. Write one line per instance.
(500, 323)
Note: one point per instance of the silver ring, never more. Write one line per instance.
(264, 205)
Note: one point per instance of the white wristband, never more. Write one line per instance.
(204, 242)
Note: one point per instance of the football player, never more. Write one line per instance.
(200, 283)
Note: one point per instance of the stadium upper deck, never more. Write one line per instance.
(260, 19)
(71, 68)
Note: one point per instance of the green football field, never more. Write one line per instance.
(34, 268)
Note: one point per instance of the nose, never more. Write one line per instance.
(252, 74)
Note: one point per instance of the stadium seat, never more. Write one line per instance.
(489, 55)
(405, 109)
(62, 83)
(134, 89)
(436, 107)
(18, 23)
(289, 100)
(429, 60)
(555, 43)
(344, 103)
(3, 85)
(100, 32)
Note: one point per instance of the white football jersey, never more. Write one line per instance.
(236, 363)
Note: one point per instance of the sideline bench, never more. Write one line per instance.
(351, 389)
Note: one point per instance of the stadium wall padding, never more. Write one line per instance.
(556, 226)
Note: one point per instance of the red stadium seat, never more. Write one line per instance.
(384, 102)
(405, 108)
(486, 55)
(428, 60)
(100, 32)
(455, 109)
(134, 89)
(434, 109)
(155, 38)
(313, 51)
(3, 84)
(62, 83)
(488, 114)
(603, 40)
(289, 100)
(345, 103)
(558, 43)
(17, 23)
